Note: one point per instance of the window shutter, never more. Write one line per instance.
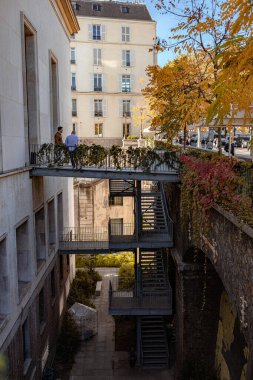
(132, 83)
(120, 107)
(90, 32)
(92, 107)
(99, 56)
(103, 82)
(132, 58)
(94, 56)
(104, 105)
(123, 58)
(103, 32)
(92, 82)
(120, 83)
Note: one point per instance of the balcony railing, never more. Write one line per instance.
(122, 232)
(126, 303)
(151, 161)
(83, 238)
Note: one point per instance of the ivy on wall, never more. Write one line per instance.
(209, 179)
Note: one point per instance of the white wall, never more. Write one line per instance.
(142, 34)
(16, 198)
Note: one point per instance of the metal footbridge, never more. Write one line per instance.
(151, 165)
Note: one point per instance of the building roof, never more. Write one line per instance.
(68, 15)
(112, 9)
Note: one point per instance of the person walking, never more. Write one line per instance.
(71, 143)
(58, 136)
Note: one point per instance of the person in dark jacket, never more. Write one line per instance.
(58, 137)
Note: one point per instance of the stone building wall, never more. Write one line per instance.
(223, 263)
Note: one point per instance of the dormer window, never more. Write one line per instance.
(124, 9)
(96, 7)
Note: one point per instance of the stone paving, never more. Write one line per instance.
(97, 359)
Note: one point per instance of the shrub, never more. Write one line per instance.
(83, 287)
(126, 277)
(106, 260)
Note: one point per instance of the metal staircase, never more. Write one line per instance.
(154, 346)
(154, 218)
(154, 281)
(153, 275)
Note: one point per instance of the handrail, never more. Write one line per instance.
(96, 156)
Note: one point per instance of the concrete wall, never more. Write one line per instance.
(21, 197)
(142, 35)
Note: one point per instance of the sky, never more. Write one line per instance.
(164, 23)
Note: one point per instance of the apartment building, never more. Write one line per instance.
(108, 60)
(35, 98)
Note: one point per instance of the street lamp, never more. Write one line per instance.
(141, 132)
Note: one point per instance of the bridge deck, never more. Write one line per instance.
(105, 173)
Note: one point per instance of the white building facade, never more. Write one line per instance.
(108, 60)
(35, 99)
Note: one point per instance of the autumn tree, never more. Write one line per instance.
(179, 93)
(201, 31)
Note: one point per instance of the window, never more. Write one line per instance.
(41, 308)
(116, 201)
(40, 239)
(125, 33)
(124, 9)
(52, 283)
(97, 81)
(126, 58)
(23, 258)
(54, 104)
(126, 109)
(116, 226)
(30, 83)
(74, 108)
(98, 107)
(125, 83)
(96, 32)
(97, 53)
(96, 7)
(126, 129)
(74, 127)
(73, 55)
(99, 129)
(26, 343)
(73, 36)
(51, 226)
(73, 81)
(60, 208)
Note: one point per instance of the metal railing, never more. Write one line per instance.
(84, 156)
(147, 300)
(83, 238)
(121, 232)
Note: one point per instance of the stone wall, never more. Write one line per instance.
(227, 246)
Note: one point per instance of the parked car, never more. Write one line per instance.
(245, 141)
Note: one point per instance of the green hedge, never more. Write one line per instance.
(106, 260)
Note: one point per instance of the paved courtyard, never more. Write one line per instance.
(97, 359)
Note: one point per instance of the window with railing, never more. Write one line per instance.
(126, 108)
(97, 55)
(97, 82)
(126, 58)
(126, 129)
(74, 107)
(73, 55)
(126, 83)
(96, 32)
(73, 81)
(96, 7)
(98, 107)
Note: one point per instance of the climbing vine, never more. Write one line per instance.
(208, 179)
(96, 155)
